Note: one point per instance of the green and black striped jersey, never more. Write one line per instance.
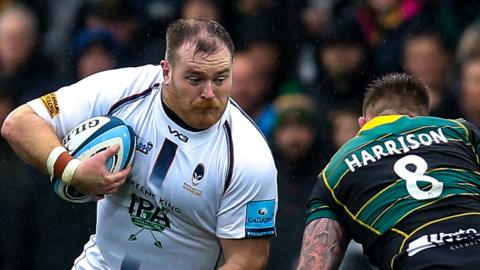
(397, 175)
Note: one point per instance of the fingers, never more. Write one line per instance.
(115, 180)
(110, 151)
(93, 178)
(113, 188)
(119, 175)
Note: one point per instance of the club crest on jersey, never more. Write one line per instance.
(197, 177)
(198, 174)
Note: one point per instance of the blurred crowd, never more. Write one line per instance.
(300, 70)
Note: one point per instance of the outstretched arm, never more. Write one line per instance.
(324, 244)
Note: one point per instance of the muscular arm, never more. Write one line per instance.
(24, 129)
(324, 244)
(245, 254)
(33, 139)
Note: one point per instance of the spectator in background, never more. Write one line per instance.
(344, 124)
(296, 141)
(250, 20)
(470, 90)
(200, 8)
(427, 57)
(344, 61)
(123, 18)
(469, 44)
(21, 62)
(252, 91)
(316, 19)
(266, 55)
(94, 51)
(385, 23)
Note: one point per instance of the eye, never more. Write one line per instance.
(193, 79)
(219, 80)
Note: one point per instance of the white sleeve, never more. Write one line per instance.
(92, 96)
(249, 205)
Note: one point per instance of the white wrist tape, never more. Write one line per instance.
(52, 158)
(69, 171)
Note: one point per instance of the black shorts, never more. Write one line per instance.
(450, 244)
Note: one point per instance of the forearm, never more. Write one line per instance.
(323, 246)
(245, 254)
(245, 265)
(30, 136)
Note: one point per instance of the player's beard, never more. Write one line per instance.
(199, 113)
(208, 112)
(206, 105)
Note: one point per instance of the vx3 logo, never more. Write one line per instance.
(177, 134)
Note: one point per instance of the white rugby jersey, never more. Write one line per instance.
(186, 189)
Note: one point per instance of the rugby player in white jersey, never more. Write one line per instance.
(201, 192)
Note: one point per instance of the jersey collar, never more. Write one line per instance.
(195, 138)
(380, 120)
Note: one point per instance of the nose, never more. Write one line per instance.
(208, 92)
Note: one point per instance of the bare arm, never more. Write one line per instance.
(23, 129)
(324, 244)
(245, 254)
(33, 139)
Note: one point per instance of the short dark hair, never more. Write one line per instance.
(396, 93)
(431, 34)
(203, 33)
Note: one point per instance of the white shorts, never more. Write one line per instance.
(91, 257)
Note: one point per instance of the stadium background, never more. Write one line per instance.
(300, 71)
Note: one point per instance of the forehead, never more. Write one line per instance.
(472, 66)
(422, 42)
(189, 60)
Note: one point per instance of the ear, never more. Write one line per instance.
(362, 120)
(167, 71)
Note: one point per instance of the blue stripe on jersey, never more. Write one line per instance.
(228, 131)
(130, 263)
(164, 161)
(131, 98)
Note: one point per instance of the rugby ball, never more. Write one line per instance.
(90, 137)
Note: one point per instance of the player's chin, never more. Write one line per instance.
(205, 120)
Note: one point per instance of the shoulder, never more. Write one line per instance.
(129, 76)
(251, 149)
